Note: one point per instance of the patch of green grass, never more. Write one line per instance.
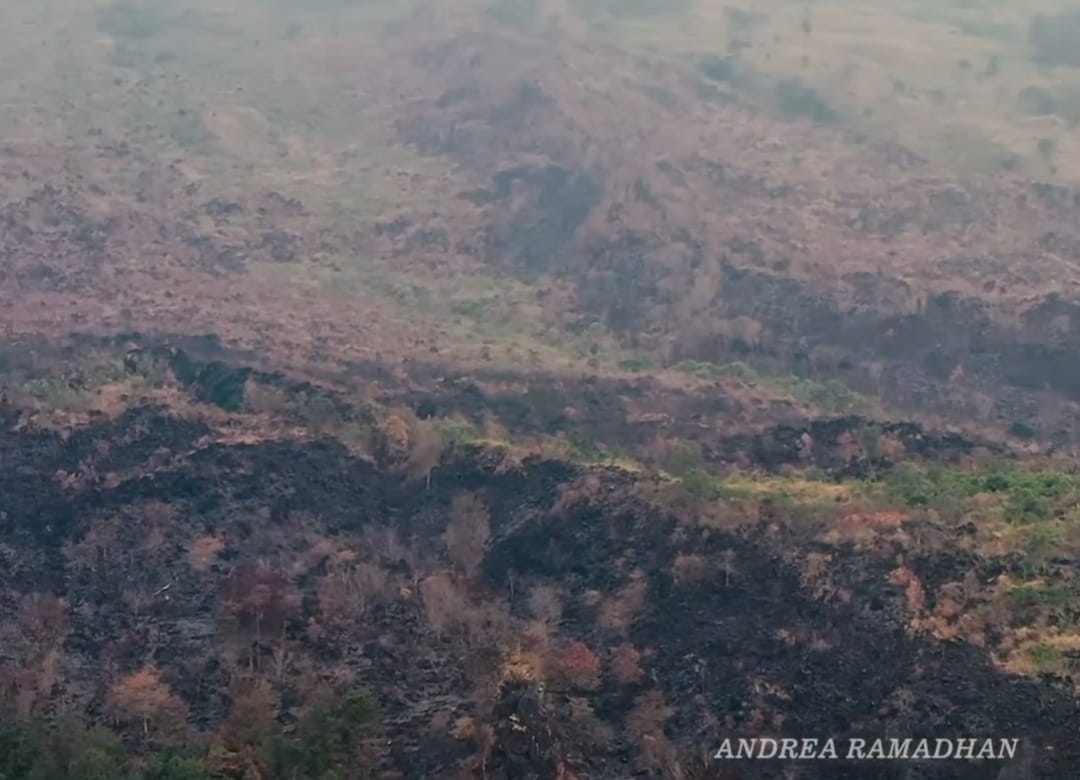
(140, 21)
(723, 69)
(1045, 594)
(796, 99)
(74, 386)
(635, 364)
(586, 452)
(630, 9)
(795, 490)
(831, 396)
(1045, 657)
(709, 487)
(700, 368)
(1027, 495)
(1042, 539)
(456, 430)
(1053, 38)
(516, 13)
(684, 457)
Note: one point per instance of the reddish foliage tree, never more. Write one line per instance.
(577, 666)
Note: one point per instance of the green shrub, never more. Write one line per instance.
(705, 486)
(1049, 594)
(797, 99)
(457, 431)
(832, 396)
(593, 9)
(685, 456)
(744, 372)
(328, 744)
(1044, 539)
(328, 740)
(1054, 38)
(140, 21)
(1030, 495)
(516, 13)
(1045, 657)
(1061, 100)
(722, 69)
(699, 368)
(635, 364)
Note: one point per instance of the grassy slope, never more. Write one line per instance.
(942, 79)
(253, 96)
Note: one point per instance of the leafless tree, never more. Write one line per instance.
(467, 534)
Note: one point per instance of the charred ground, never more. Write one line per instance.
(728, 625)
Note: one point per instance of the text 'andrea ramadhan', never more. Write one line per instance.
(954, 749)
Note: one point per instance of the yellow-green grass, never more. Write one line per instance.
(944, 81)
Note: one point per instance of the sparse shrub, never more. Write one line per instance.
(1037, 100)
(1046, 147)
(1044, 539)
(545, 604)
(635, 364)
(467, 534)
(699, 368)
(722, 69)
(426, 447)
(203, 552)
(1045, 657)
(704, 485)
(741, 20)
(681, 457)
(445, 605)
(593, 731)
(141, 21)
(797, 99)
(832, 396)
(618, 613)
(616, 9)
(1049, 594)
(457, 430)
(648, 716)
(346, 593)
(1062, 100)
(690, 568)
(517, 13)
(1053, 38)
(262, 398)
(42, 618)
(626, 664)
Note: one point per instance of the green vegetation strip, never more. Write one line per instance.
(324, 746)
(831, 396)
